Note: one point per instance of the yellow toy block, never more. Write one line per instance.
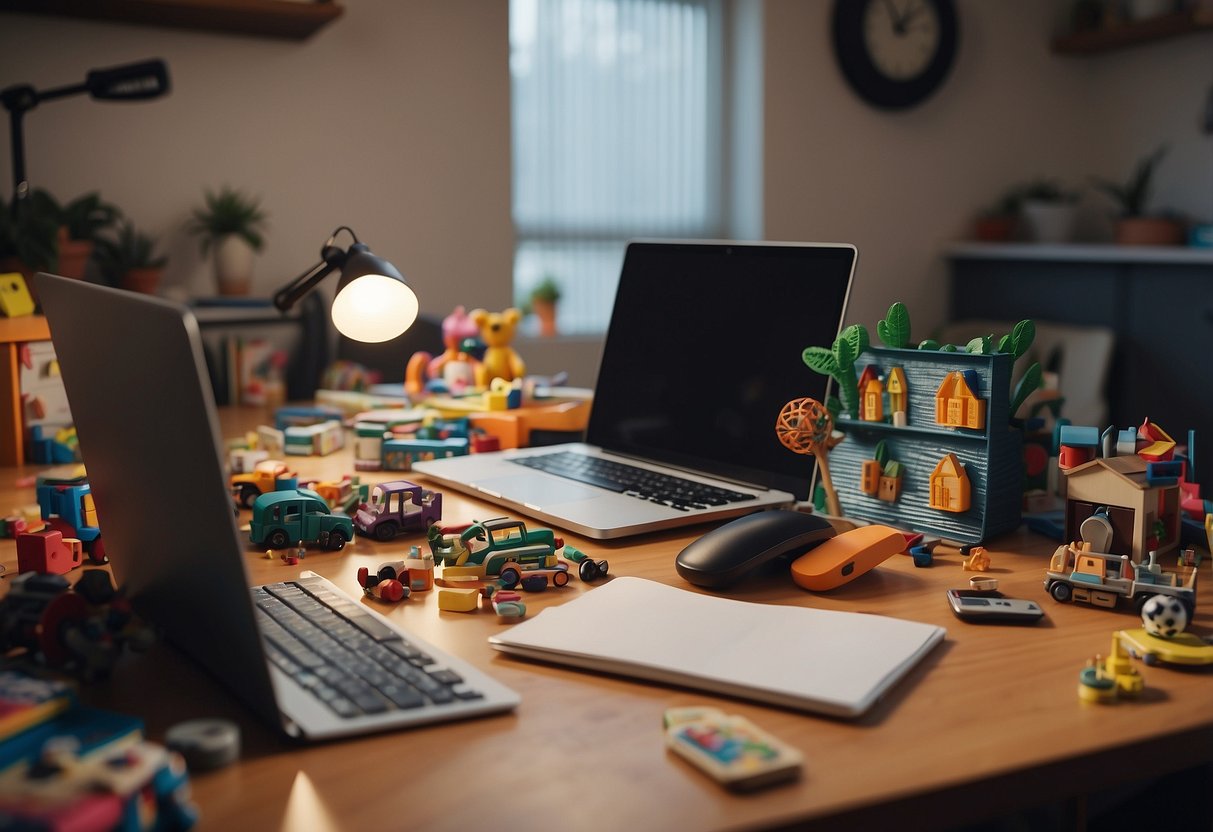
(458, 600)
(15, 299)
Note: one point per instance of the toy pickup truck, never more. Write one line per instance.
(283, 517)
(261, 480)
(1076, 574)
(494, 543)
(397, 507)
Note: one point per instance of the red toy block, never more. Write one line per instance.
(48, 552)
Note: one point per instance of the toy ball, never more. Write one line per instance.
(1164, 616)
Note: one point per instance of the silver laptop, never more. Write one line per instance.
(703, 350)
(302, 654)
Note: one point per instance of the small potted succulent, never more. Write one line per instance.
(231, 223)
(544, 296)
(1134, 225)
(1048, 211)
(128, 259)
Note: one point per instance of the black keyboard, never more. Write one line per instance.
(347, 658)
(676, 492)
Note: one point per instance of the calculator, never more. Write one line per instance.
(978, 605)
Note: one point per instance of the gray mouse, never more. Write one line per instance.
(726, 554)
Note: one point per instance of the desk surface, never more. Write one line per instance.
(988, 723)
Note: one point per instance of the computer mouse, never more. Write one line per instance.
(726, 554)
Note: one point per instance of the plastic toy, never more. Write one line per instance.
(977, 561)
(957, 404)
(588, 569)
(280, 517)
(264, 478)
(1182, 648)
(500, 360)
(806, 427)
(320, 439)
(67, 507)
(1079, 574)
(457, 328)
(1106, 680)
(397, 507)
(493, 543)
(1164, 616)
(534, 579)
(458, 600)
(1119, 488)
(949, 485)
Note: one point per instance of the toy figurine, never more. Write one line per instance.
(805, 426)
(500, 359)
(455, 365)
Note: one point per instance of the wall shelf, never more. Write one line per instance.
(1134, 32)
(268, 18)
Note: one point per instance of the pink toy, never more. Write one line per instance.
(454, 365)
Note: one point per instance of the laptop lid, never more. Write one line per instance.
(135, 376)
(704, 349)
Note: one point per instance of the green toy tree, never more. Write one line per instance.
(894, 330)
(838, 362)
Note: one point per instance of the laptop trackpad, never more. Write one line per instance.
(538, 491)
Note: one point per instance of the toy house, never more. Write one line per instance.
(1143, 512)
(873, 400)
(957, 404)
(896, 388)
(990, 457)
(949, 485)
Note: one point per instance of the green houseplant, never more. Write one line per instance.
(81, 222)
(1134, 224)
(544, 297)
(29, 235)
(128, 259)
(231, 223)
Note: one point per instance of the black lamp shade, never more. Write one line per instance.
(373, 303)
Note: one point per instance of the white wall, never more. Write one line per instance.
(903, 185)
(395, 120)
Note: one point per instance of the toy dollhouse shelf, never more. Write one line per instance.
(268, 18)
(926, 433)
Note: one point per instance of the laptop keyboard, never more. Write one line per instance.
(347, 658)
(633, 481)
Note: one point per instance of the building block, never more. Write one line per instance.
(458, 600)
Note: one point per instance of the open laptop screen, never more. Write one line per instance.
(704, 349)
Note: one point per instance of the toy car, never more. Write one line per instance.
(299, 514)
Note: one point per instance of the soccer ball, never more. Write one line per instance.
(1164, 616)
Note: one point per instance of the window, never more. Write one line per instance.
(616, 109)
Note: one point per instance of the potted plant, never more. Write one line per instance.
(1048, 211)
(80, 223)
(544, 296)
(231, 223)
(998, 223)
(128, 259)
(29, 236)
(1134, 226)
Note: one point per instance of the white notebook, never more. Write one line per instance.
(836, 663)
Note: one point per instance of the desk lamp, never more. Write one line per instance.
(130, 82)
(372, 304)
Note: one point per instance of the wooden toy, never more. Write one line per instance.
(397, 507)
(805, 427)
(320, 439)
(303, 415)
(1077, 573)
(969, 390)
(730, 749)
(1141, 515)
(15, 299)
(458, 600)
(298, 514)
(1106, 680)
(48, 552)
(532, 578)
(398, 454)
(845, 557)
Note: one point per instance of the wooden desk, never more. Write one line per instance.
(988, 723)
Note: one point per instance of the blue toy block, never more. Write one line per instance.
(922, 556)
(1163, 473)
(1079, 436)
(1050, 524)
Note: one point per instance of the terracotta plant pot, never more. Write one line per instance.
(73, 255)
(995, 229)
(545, 311)
(143, 280)
(1148, 231)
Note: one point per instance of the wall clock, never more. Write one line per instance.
(895, 53)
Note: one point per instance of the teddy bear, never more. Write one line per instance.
(500, 360)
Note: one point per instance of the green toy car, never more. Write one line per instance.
(282, 518)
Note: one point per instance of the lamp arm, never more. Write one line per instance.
(291, 293)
